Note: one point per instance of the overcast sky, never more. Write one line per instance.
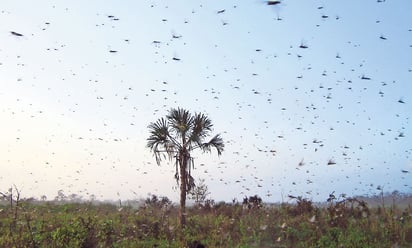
(310, 97)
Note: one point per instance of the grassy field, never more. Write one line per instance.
(345, 222)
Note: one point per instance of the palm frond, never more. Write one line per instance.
(216, 142)
(160, 141)
(201, 128)
(180, 121)
(158, 134)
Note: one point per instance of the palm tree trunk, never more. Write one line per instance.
(183, 190)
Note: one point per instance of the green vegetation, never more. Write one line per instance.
(341, 222)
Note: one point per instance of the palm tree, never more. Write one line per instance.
(175, 137)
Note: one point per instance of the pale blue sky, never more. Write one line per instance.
(74, 115)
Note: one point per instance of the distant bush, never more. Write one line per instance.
(303, 206)
(253, 202)
(157, 202)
